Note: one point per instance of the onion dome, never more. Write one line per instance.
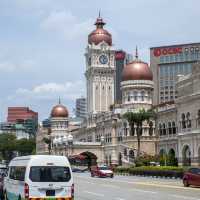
(59, 111)
(100, 34)
(137, 70)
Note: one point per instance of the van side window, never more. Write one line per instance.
(17, 173)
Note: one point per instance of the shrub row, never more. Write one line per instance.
(167, 171)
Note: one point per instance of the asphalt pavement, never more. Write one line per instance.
(132, 188)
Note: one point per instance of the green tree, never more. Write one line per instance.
(7, 145)
(25, 146)
(137, 119)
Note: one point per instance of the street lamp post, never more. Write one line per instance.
(102, 146)
(70, 142)
(65, 142)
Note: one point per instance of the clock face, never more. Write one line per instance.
(103, 59)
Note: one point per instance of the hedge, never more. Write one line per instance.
(165, 171)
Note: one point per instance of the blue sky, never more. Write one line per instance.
(42, 43)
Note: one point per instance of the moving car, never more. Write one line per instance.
(192, 177)
(101, 171)
(39, 177)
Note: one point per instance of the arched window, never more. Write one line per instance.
(183, 121)
(142, 96)
(129, 96)
(160, 130)
(125, 152)
(188, 120)
(198, 117)
(170, 127)
(135, 96)
(174, 127)
(164, 129)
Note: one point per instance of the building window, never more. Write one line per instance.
(164, 129)
(160, 129)
(142, 96)
(135, 96)
(183, 121)
(173, 127)
(129, 96)
(188, 120)
(170, 128)
(198, 118)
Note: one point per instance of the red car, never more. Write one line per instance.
(192, 177)
(101, 171)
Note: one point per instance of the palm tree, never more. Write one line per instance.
(137, 118)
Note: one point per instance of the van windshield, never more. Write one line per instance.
(49, 174)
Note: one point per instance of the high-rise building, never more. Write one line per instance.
(100, 69)
(25, 116)
(168, 62)
(121, 59)
(81, 108)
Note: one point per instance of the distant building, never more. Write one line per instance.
(178, 122)
(24, 116)
(81, 107)
(167, 62)
(19, 130)
(46, 123)
(121, 59)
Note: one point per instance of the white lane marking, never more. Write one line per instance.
(112, 186)
(119, 198)
(94, 193)
(140, 190)
(184, 197)
(158, 184)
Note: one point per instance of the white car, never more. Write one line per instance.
(39, 177)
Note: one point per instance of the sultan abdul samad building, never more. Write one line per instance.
(105, 134)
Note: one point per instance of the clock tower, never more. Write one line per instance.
(100, 69)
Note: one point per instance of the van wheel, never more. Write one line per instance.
(92, 175)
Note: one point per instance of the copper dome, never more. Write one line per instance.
(137, 70)
(100, 34)
(59, 111)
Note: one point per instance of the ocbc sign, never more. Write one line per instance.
(167, 51)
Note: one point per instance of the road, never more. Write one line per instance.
(131, 188)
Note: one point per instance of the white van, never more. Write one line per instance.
(39, 177)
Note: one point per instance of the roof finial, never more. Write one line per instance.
(59, 101)
(136, 53)
(99, 13)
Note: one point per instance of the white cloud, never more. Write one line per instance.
(8, 66)
(50, 91)
(67, 25)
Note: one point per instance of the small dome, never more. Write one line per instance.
(100, 34)
(137, 70)
(59, 111)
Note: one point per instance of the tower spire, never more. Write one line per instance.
(59, 101)
(136, 53)
(99, 13)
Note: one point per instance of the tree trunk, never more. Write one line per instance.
(138, 141)
(139, 133)
(132, 129)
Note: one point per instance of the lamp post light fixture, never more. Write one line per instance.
(102, 140)
(65, 142)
